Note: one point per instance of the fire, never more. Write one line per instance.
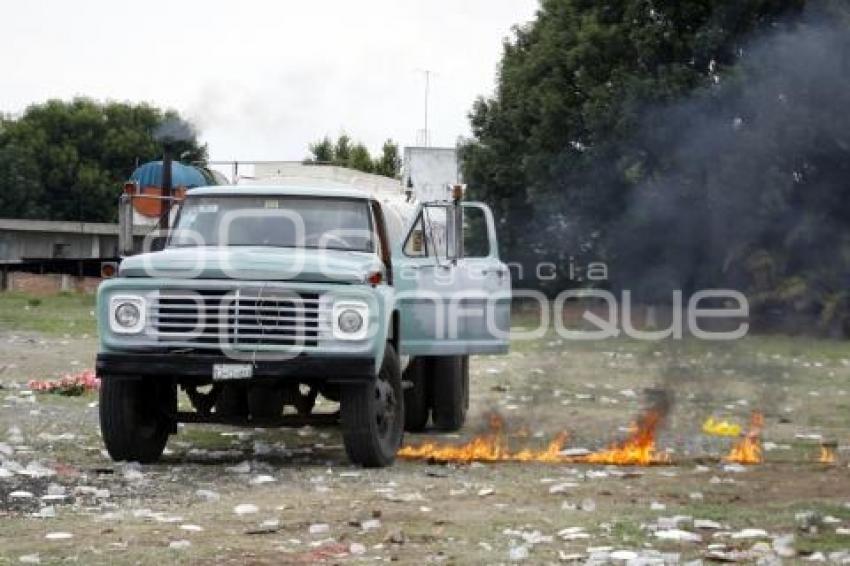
(490, 447)
(827, 453)
(748, 448)
(637, 449)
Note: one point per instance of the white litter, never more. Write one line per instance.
(192, 528)
(245, 509)
(261, 479)
(707, 524)
(58, 536)
(47, 512)
(179, 544)
(208, 495)
(678, 535)
(750, 533)
(517, 553)
(240, 468)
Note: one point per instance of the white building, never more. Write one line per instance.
(429, 170)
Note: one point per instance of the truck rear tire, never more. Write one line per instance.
(373, 415)
(417, 402)
(449, 391)
(134, 418)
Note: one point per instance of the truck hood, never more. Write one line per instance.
(253, 263)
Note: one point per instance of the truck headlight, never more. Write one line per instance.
(126, 314)
(350, 320)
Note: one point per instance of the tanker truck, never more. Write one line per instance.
(288, 303)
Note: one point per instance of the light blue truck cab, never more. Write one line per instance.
(265, 297)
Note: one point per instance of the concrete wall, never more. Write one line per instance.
(17, 245)
(47, 239)
(49, 284)
(429, 170)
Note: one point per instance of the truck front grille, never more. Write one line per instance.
(241, 318)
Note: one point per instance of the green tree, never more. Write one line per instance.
(389, 163)
(67, 160)
(360, 159)
(557, 141)
(345, 153)
(690, 144)
(322, 151)
(342, 150)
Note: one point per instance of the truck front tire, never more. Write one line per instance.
(450, 392)
(134, 419)
(417, 402)
(373, 415)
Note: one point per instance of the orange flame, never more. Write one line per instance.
(637, 449)
(490, 447)
(827, 453)
(747, 450)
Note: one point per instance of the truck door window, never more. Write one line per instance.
(415, 244)
(476, 238)
(436, 220)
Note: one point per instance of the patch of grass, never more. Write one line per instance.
(823, 542)
(65, 313)
(628, 532)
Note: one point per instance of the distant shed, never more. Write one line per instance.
(57, 247)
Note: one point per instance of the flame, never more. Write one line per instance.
(637, 449)
(748, 448)
(489, 447)
(827, 454)
(720, 428)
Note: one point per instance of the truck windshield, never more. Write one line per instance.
(285, 222)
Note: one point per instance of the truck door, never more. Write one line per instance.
(453, 291)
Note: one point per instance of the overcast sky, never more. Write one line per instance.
(262, 79)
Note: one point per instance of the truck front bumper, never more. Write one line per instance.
(198, 368)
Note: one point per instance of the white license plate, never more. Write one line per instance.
(226, 372)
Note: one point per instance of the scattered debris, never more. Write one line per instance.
(179, 544)
(678, 535)
(246, 509)
(69, 384)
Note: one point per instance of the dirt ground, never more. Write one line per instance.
(256, 496)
